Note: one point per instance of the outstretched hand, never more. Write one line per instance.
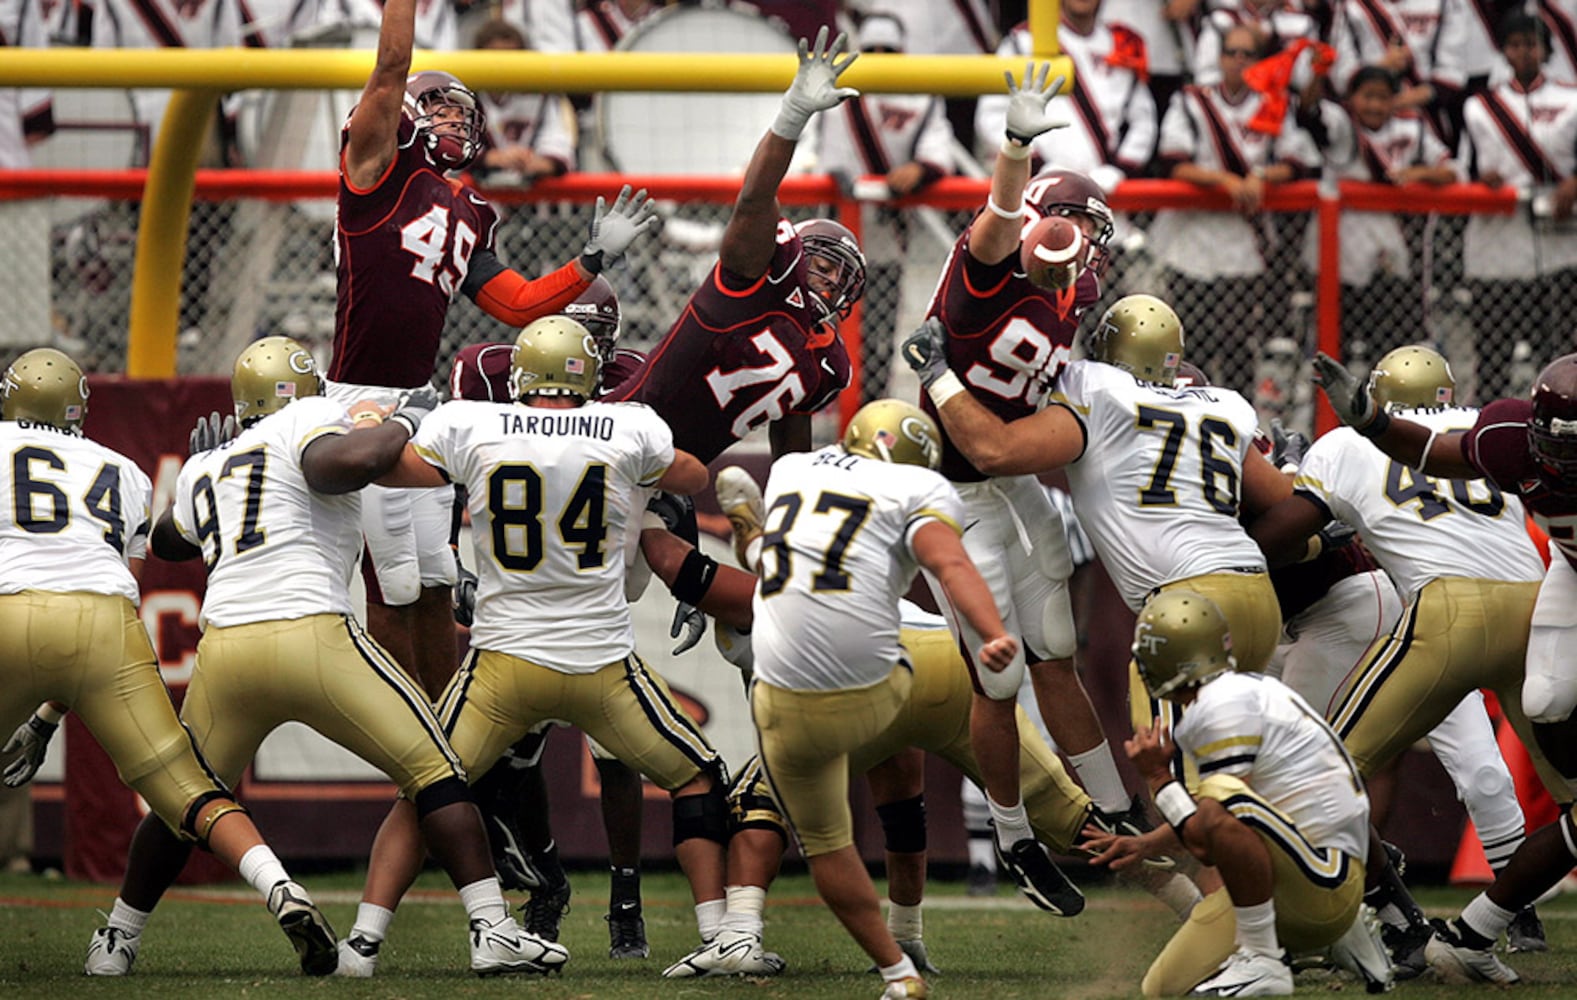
(1348, 394)
(614, 229)
(211, 432)
(815, 87)
(1027, 103)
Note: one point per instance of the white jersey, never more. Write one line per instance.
(874, 133)
(23, 111)
(1280, 24)
(834, 562)
(539, 122)
(1435, 32)
(1257, 729)
(552, 495)
(275, 549)
(1158, 485)
(72, 512)
(1420, 528)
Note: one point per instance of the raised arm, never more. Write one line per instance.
(751, 236)
(1408, 442)
(995, 232)
(375, 123)
(687, 476)
(1040, 442)
(344, 463)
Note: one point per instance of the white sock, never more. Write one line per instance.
(1486, 918)
(1097, 771)
(745, 903)
(709, 917)
(262, 869)
(1257, 928)
(1012, 822)
(903, 970)
(372, 922)
(484, 900)
(127, 919)
(904, 921)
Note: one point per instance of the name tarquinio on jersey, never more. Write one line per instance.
(559, 425)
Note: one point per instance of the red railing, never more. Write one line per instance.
(952, 193)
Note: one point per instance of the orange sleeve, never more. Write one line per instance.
(510, 298)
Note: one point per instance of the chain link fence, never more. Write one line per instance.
(256, 268)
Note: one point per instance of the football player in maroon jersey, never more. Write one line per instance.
(758, 342)
(1527, 447)
(1007, 337)
(409, 240)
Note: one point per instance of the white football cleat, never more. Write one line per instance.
(308, 931)
(1248, 974)
(908, 988)
(731, 953)
(111, 951)
(503, 949)
(1361, 952)
(1458, 962)
(739, 496)
(358, 958)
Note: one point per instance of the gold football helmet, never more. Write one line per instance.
(1181, 640)
(46, 387)
(1141, 335)
(555, 356)
(269, 374)
(1412, 377)
(890, 430)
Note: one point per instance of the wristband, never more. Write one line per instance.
(365, 416)
(1175, 803)
(592, 262)
(1003, 213)
(944, 388)
(1016, 150)
(50, 714)
(406, 422)
(1313, 548)
(1377, 426)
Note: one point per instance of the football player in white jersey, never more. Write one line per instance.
(846, 529)
(73, 536)
(1460, 555)
(1158, 472)
(273, 514)
(1280, 811)
(554, 482)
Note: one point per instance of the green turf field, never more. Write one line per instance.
(220, 941)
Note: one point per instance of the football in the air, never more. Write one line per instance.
(1054, 252)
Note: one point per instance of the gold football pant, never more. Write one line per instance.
(91, 653)
(1317, 893)
(805, 739)
(494, 699)
(1457, 635)
(323, 671)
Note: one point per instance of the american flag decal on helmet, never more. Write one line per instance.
(284, 390)
(575, 366)
(886, 438)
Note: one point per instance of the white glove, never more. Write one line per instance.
(1027, 116)
(32, 740)
(614, 229)
(815, 87)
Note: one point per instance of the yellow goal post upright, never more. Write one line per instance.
(199, 76)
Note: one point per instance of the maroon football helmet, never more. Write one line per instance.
(1553, 431)
(833, 242)
(447, 116)
(1056, 191)
(597, 309)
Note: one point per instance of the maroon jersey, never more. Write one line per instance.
(1006, 339)
(1497, 446)
(742, 354)
(403, 249)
